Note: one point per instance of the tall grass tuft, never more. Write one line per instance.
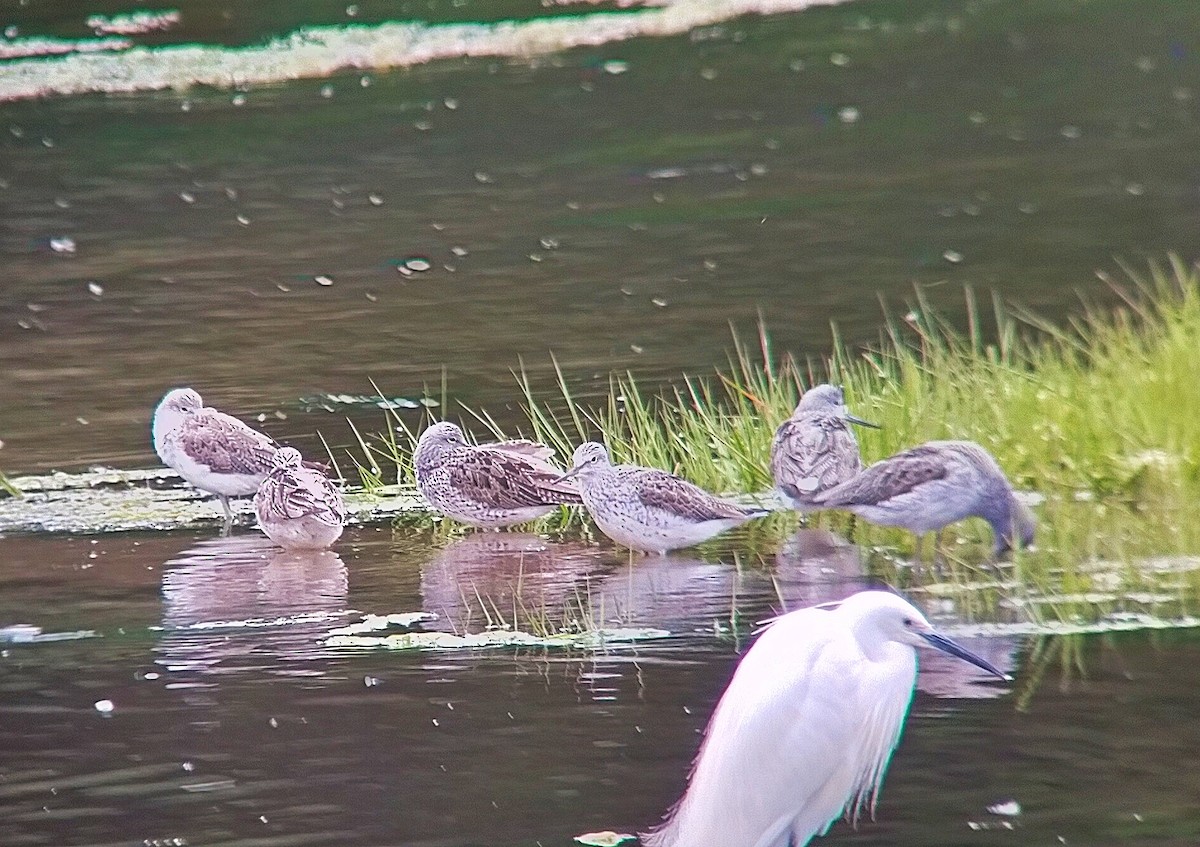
(7, 487)
(1097, 416)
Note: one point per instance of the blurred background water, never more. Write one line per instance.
(618, 205)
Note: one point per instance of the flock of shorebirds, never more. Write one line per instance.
(815, 463)
(804, 732)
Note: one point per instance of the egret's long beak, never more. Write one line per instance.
(944, 644)
(857, 420)
(572, 472)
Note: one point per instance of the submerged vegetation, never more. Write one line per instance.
(1094, 419)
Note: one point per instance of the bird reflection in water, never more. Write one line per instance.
(818, 566)
(676, 592)
(493, 577)
(240, 604)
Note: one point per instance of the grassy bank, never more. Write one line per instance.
(1097, 417)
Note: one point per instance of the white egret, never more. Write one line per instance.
(807, 725)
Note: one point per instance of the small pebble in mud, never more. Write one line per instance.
(104, 707)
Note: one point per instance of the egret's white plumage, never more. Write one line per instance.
(806, 728)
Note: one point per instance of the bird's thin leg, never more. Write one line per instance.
(228, 514)
(939, 556)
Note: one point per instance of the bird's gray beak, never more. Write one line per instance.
(944, 644)
(857, 420)
(568, 475)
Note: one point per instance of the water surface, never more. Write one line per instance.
(278, 245)
(618, 205)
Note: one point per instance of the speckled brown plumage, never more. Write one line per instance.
(649, 509)
(488, 485)
(931, 486)
(298, 507)
(815, 449)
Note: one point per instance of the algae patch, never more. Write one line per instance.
(354, 636)
(109, 500)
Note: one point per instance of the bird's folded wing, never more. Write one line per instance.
(506, 480)
(225, 444)
(661, 490)
(297, 495)
(522, 447)
(887, 479)
(804, 456)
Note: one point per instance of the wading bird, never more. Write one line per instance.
(488, 485)
(213, 451)
(297, 507)
(649, 509)
(807, 725)
(931, 486)
(815, 449)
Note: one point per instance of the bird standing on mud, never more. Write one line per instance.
(933, 485)
(815, 449)
(488, 485)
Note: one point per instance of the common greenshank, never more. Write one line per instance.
(213, 451)
(933, 485)
(649, 509)
(297, 507)
(815, 449)
(488, 485)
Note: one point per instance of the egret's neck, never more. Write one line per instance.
(872, 641)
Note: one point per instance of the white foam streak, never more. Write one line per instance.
(317, 52)
(20, 48)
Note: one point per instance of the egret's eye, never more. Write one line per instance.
(909, 622)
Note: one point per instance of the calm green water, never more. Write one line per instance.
(800, 165)
(619, 205)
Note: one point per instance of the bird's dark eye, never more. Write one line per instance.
(909, 622)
